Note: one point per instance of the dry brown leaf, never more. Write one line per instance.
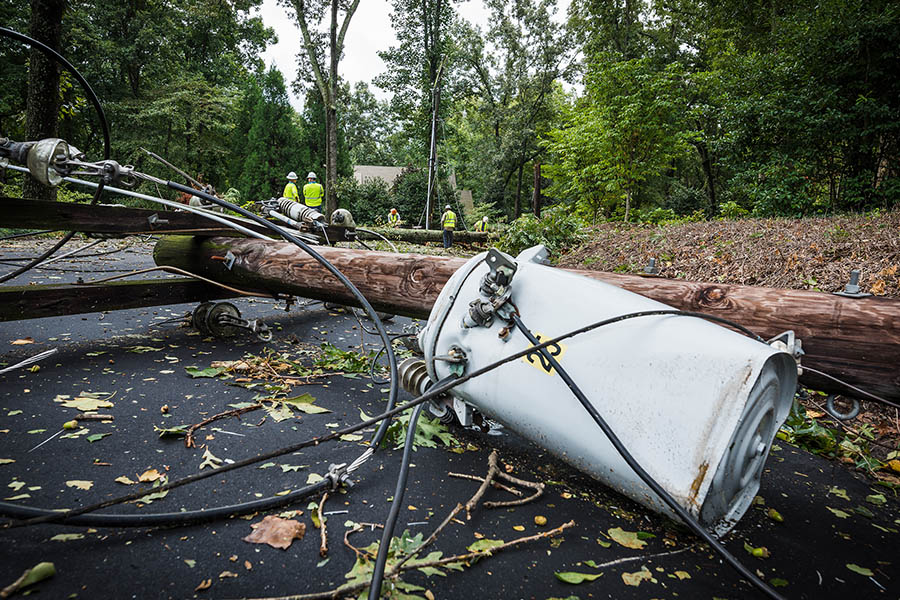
(878, 287)
(637, 577)
(225, 574)
(149, 476)
(22, 341)
(124, 479)
(80, 484)
(276, 532)
(204, 585)
(248, 565)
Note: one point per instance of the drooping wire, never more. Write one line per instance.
(683, 514)
(859, 391)
(396, 504)
(104, 124)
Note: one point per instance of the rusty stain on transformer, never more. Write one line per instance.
(698, 481)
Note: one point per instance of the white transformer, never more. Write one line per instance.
(696, 404)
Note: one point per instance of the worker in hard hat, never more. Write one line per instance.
(448, 223)
(482, 225)
(313, 192)
(393, 218)
(290, 190)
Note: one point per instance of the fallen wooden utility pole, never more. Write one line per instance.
(421, 236)
(857, 340)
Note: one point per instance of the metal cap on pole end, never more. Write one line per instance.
(851, 290)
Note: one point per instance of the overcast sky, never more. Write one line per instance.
(370, 31)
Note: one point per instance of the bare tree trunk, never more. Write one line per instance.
(42, 105)
(331, 145)
(627, 203)
(536, 194)
(518, 208)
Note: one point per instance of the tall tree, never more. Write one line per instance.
(273, 144)
(326, 81)
(43, 83)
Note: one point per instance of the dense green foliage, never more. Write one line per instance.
(648, 110)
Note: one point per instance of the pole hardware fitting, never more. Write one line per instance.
(155, 221)
(337, 475)
(837, 414)
(851, 290)
(457, 359)
(223, 319)
(495, 292)
(229, 260)
(790, 343)
(651, 268)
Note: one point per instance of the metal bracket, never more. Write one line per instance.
(651, 268)
(155, 221)
(229, 260)
(851, 290)
(788, 342)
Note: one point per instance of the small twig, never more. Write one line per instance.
(359, 527)
(496, 484)
(93, 417)
(537, 487)
(189, 435)
(492, 471)
(619, 561)
(323, 547)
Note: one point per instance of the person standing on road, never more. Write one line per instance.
(313, 192)
(448, 223)
(394, 218)
(290, 190)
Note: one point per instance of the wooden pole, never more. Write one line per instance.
(857, 340)
(422, 236)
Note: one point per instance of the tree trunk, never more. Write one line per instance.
(536, 194)
(331, 125)
(42, 105)
(706, 161)
(627, 203)
(422, 236)
(857, 340)
(518, 205)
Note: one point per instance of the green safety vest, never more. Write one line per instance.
(481, 226)
(448, 221)
(393, 218)
(290, 192)
(313, 194)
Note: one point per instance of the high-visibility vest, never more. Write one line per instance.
(481, 226)
(448, 221)
(290, 192)
(393, 218)
(313, 194)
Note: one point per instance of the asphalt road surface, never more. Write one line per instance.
(830, 537)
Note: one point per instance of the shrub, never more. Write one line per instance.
(557, 229)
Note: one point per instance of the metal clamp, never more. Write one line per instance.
(229, 260)
(338, 476)
(790, 343)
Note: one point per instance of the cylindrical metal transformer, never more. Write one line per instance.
(696, 404)
(299, 212)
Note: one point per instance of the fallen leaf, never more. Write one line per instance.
(80, 484)
(774, 515)
(519, 527)
(635, 579)
(484, 545)
(761, 552)
(576, 578)
(313, 478)
(629, 539)
(149, 476)
(267, 465)
(6, 461)
(840, 493)
(143, 350)
(208, 372)
(204, 585)
(351, 437)
(22, 341)
(877, 288)
(276, 532)
(894, 465)
(225, 574)
(861, 570)
(682, 575)
(67, 537)
(87, 403)
(190, 562)
(838, 513)
(248, 565)
(540, 520)
(125, 480)
(19, 497)
(286, 468)
(305, 403)
(96, 437)
(778, 582)
(16, 485)
(35, 574)
(209, 460)
(877, 499)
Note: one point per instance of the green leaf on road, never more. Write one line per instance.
(576, 578)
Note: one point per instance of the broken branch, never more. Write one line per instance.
(492, 471)
(323, 547)
(189, 436)
(495, 484)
